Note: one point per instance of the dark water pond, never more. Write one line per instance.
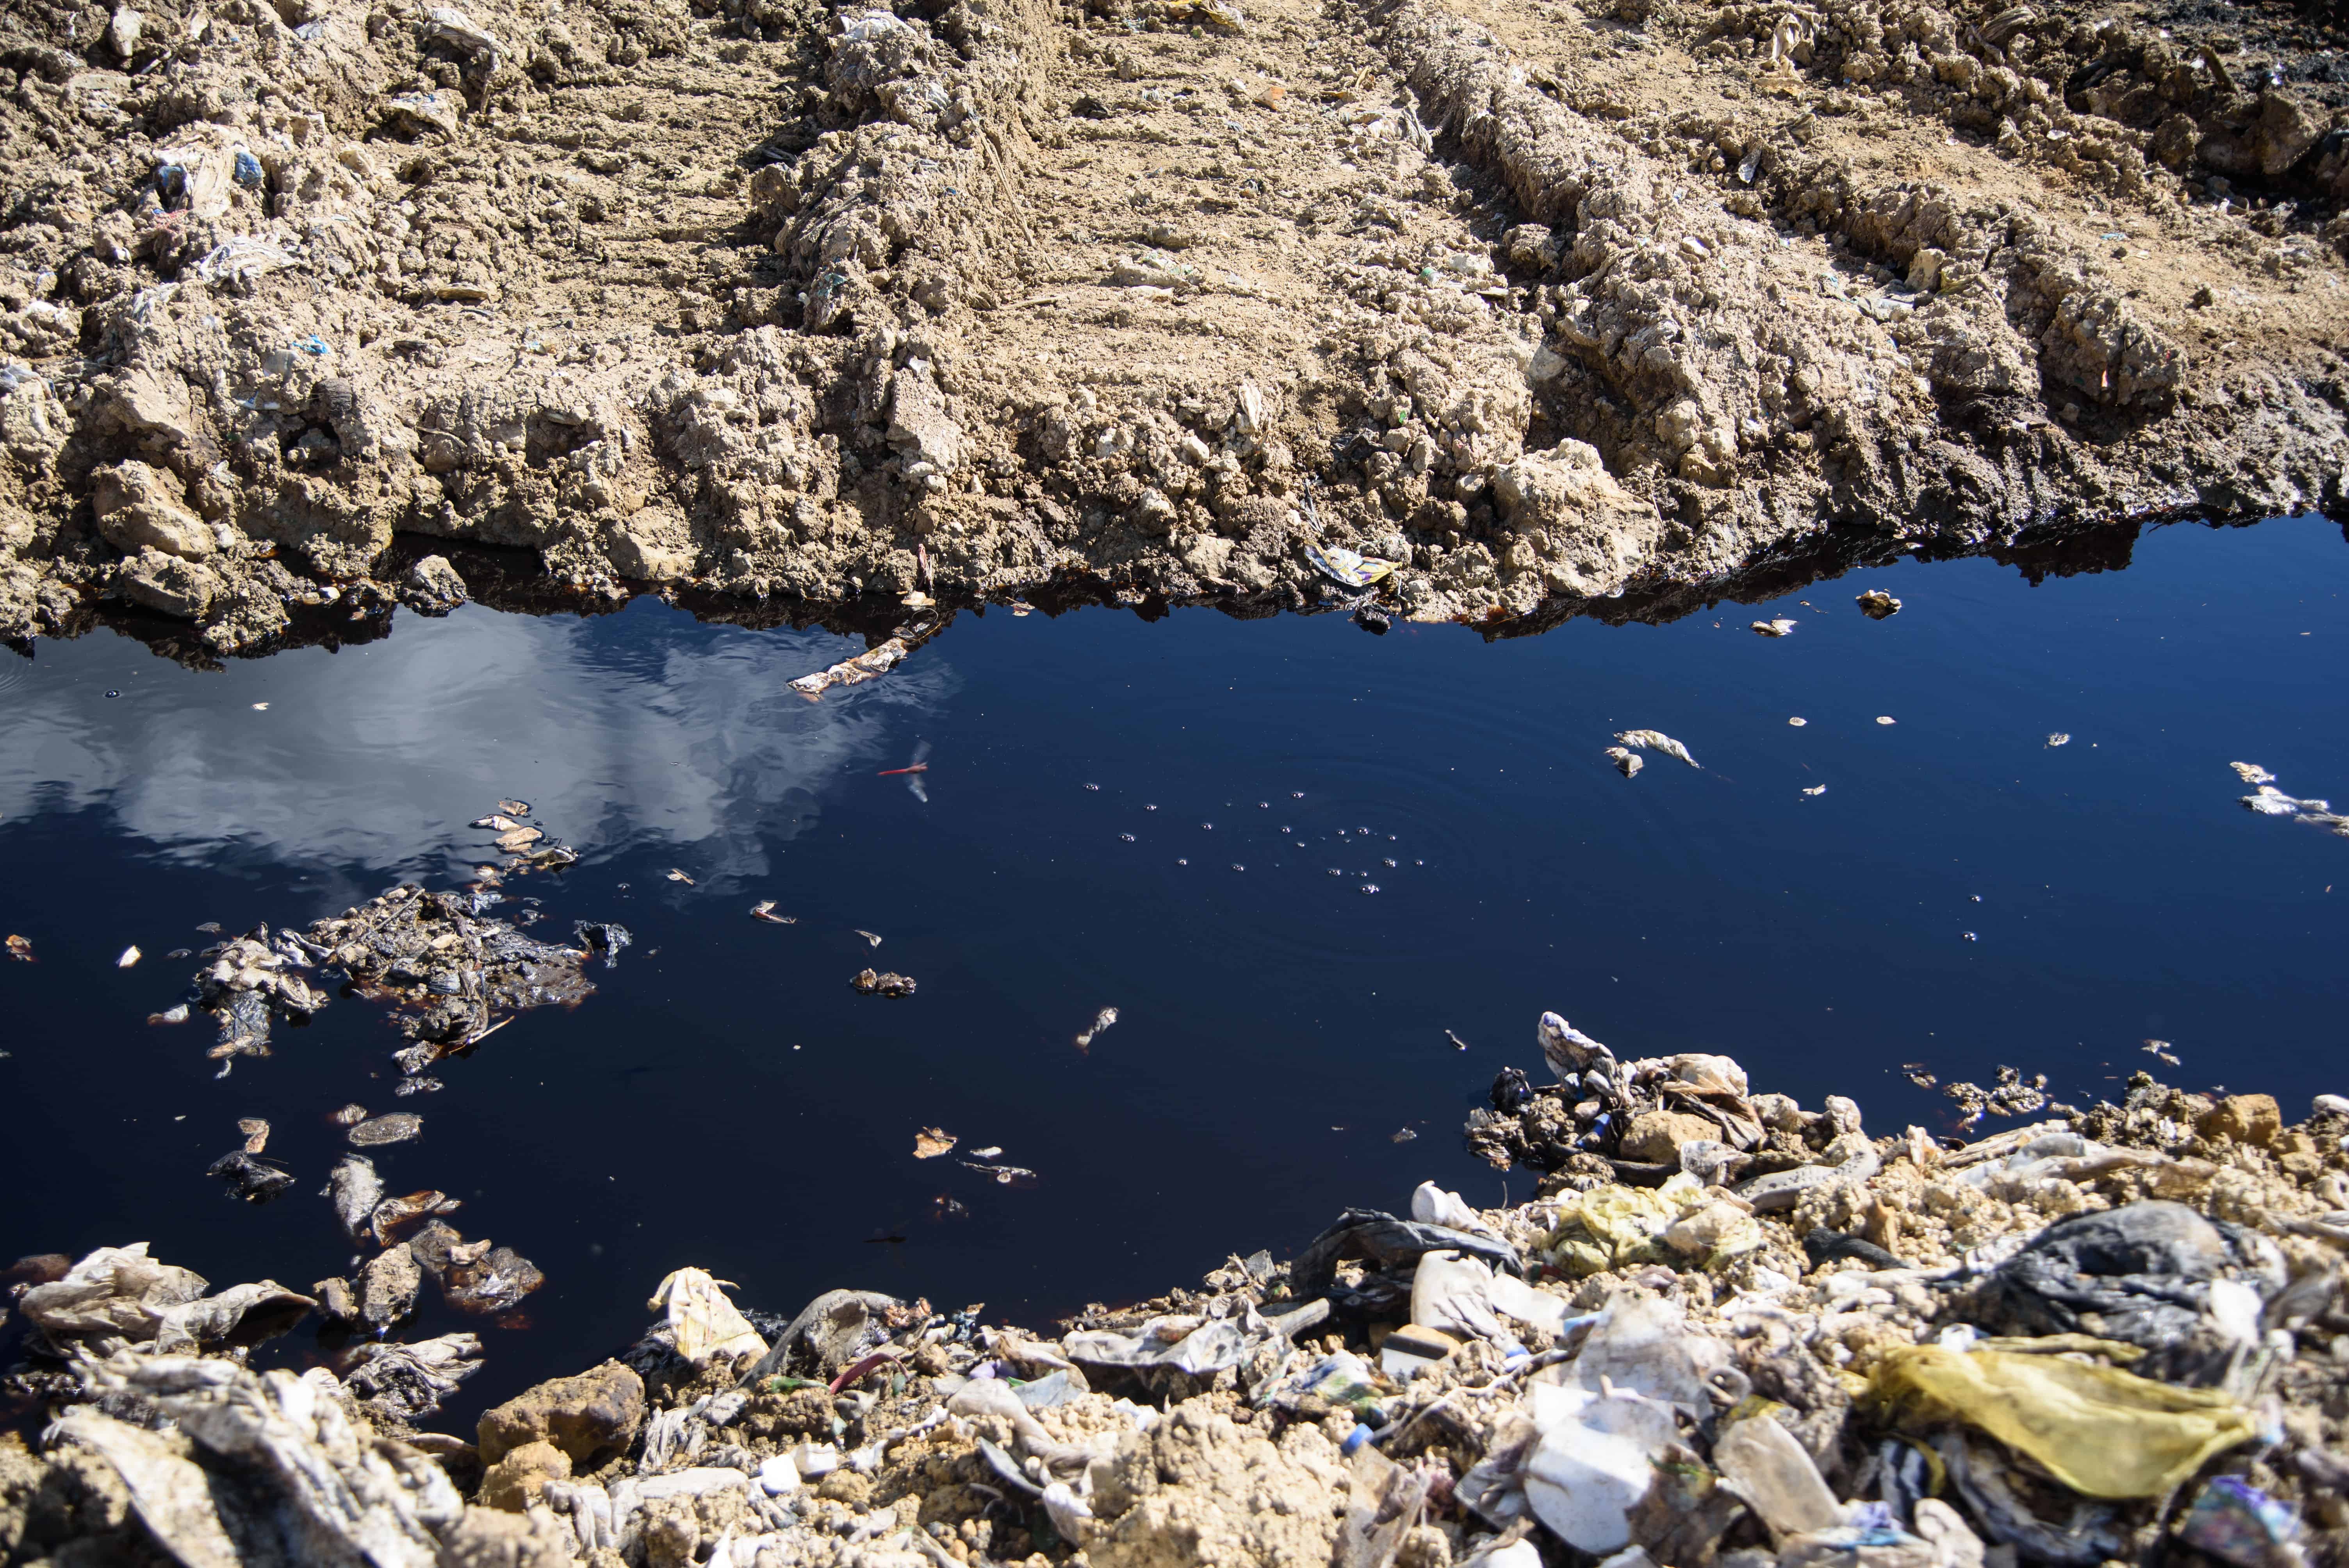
(1961, 894)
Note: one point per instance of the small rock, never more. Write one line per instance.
(587, 1417)
(388, 1286)
(519, 1478)
(2244, 1119)
(167, 585)
(432, 587)
(1654, 1137)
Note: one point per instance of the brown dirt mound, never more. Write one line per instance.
(1554, 308)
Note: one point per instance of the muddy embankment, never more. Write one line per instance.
(799, 311)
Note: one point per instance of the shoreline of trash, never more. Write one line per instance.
(1728, 1332)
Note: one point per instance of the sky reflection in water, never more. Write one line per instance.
(725, 1100)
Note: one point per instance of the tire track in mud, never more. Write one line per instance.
(1555, 311)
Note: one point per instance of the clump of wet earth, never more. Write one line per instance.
(1507, 311)
(1730, 1330)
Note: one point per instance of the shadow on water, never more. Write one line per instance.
(1186, 822)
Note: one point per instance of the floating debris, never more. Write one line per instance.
(676, 875)
(1005, 1175)
(765, 910)
(514, 808)
(602, 937)
(1778, 628)
(1656, 740)
(990, 1152)
(1815, 790)
(519, 840)
(1798, 723)
(1403, 1136)
(869, 936)
(865, 666)
(395, 1127)
(1877, 605)
(348, 1116)
(1627, 761)
(1101, 1020)
(1881, 718)
(495, 824)
(256, 1131)
(2270, 802)
(1455, 1039)
(253, 1181)
(20, 949)
(2252, 773)
(870, 984)
(929, 1142)
(130, 955)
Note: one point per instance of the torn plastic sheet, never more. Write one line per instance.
(1390, 1243)
(409, 1381)
(114, 1295)
(1594, 1462)
(702, 1321)
(837, 1328)
(309, 1487)
(240, 259)
(2103, 1432)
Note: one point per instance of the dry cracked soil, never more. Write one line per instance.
(1541, 307)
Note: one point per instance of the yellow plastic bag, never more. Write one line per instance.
(1613, 1227)
(2099, 1430)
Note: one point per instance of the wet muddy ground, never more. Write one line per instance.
(1961, 894)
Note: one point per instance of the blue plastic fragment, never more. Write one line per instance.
(1354, 1439)
(313, 344)
(248, 169)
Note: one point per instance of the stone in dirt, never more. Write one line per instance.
(586, 1417)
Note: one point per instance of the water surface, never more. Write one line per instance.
(1186, 821)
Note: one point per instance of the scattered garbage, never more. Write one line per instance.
(872, 983)
(1656, 740)
(1798, 723)
(765, 910)
(2059, 738)
(1627, 762)
(2268, 801)
(1877, 605)
(20, 948)
(1815, 790)
(1101, 1020)
(872, 938)
(1726, 1331)
(1881, 719)
(1778, 628)
(130, 956)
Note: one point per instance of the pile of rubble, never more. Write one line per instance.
(1728, 1331)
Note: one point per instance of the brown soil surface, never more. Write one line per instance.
(1557, 308)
